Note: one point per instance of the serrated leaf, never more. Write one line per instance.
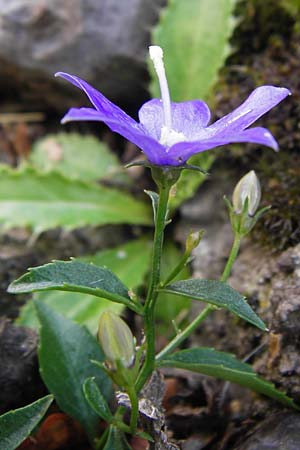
(65, 353)
(77, 156)
(225, 366)
(219, 294)
(96, 400)
(129, 262)
(74, 276)
(16, 425)
(195, 38)
(116, 440)
(48, 200)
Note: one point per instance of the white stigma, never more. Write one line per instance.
(156, 54)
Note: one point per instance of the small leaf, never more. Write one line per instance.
(65, 355)
(16, 426)
(116, 440)
(219, 294)
(129, 262)
(48, 200)
(154, 199)
(76, 156)
(225, 366)
(96, 399)
(73, 276)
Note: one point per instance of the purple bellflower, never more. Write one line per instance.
(170, 133)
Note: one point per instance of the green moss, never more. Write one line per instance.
(268, 52)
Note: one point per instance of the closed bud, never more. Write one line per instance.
(247, 188)
(116, 340)
(193, 240)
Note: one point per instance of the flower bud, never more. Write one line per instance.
(247, 188)
(116, 340)
(193, 240)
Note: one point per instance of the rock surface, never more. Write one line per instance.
(103, 42)
(281, 431)
(19, 378)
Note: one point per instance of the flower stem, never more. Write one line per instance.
(152, 294)
(232, 257)
(134, 408)
(185, 333)
(206, 311)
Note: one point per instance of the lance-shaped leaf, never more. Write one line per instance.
(129, 262)
(96, 400)
(48, 200)
(16, 425)
(74, 276)
(225, 366)
(65, 353)
(219, 294)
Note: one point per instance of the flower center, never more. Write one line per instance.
(168, 136)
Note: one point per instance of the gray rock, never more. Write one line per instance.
(105, 42)
(279, 432)
(19, 378)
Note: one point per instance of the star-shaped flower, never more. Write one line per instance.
(170, 133)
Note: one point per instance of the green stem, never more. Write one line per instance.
(185, 333)
(206, 311)
(177, 269)
(232, 257)
(152, 294)
(134, 408)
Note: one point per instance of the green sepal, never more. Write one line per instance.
(242, 223)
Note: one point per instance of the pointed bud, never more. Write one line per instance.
(247, 188)
(193, 240)
(116, 340)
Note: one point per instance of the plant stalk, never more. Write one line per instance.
(206, 311)
(152, 293)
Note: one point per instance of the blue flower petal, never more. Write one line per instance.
(187, 117)
(259, 102)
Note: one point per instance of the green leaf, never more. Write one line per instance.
(65, 353)
(74, 276)
(48, 200)
(116, 440)
(78, 157)
(168, 308)
(96, 400)
(16, 426)
(225, 366)
(195, 40)
(219, 294)
(129, 262)
(154, 200)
